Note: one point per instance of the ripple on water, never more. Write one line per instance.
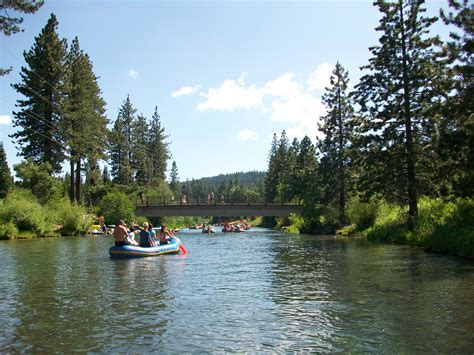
(249, 292)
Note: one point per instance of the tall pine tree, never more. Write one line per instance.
(38, 119)
(335, 145)
(6, 180)
(271, 179)
(159, 150)
(393, 131)
(141, 151)
(174, 178)
(121, 144)
(456, 143)
(84, 119)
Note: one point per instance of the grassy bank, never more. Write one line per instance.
(441, 226)
(23, 217)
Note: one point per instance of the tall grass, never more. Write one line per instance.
(440, 226)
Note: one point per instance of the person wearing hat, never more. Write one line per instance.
(146, 240)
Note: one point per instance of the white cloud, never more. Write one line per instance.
(133, 74)
(283, 86)
(320, 78)
(187, 90)
(246, 135)
(5, 120)
(303, 111)
(231, 95)
(284, 99)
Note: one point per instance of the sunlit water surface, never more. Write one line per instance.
(255, 291)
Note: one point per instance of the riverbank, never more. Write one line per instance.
(22, 216)
(441, 226)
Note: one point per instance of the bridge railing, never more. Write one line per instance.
(219, 200)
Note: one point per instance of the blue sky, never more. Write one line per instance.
(225, 75)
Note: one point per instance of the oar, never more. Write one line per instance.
(182, 249)
(181, 246)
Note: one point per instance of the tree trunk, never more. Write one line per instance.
(71, 179)
(342, 182)
(410, 157)
(78, 180)
(92, 172)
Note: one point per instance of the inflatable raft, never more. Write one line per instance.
(132, 251)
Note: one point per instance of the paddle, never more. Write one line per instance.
(181, 246)
(182, 249)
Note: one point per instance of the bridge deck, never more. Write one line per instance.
(227, 210)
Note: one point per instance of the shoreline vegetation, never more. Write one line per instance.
(393, 162)
(445, 227)
(441, 226)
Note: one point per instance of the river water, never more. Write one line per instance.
(258, 291)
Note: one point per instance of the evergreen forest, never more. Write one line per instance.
(393, 160)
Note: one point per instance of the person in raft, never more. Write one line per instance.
(152, 231)
(164, 235)
(103, 227)
(146, 240)
(121, 235)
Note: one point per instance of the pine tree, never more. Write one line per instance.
(105, 175)
(141, 161)
(305, 167)
(11, 25)
(271, 179)
(393, 131)
(334, 146)
(84, 118)
(6, 179)
(456, 142)
(121, 144)
(159, 149)
(39, 119)
(282, 158)
(291, 172)
(174, 178)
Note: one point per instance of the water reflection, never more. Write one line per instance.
(370, 298)
(260, 291)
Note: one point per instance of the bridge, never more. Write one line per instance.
(165, 207)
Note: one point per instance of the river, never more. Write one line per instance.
(258, 291)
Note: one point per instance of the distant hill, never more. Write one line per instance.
(238, 185)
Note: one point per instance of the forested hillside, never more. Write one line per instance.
(237, 187)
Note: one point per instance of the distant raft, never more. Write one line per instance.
(132, 251)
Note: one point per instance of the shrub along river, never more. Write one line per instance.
(255, 291)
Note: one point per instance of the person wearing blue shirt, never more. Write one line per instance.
(146, 240)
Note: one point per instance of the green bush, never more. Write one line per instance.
(362, 214)
(72, 218)
(452, 227)
(297, 221)
(8, 230)
(115, 206)
(23, 210)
